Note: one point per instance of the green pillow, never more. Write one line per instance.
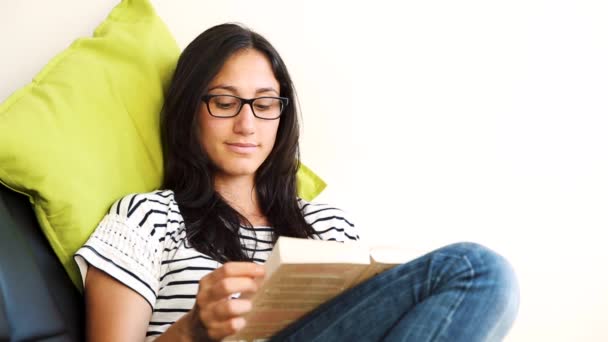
(308, 183)
(85, 132)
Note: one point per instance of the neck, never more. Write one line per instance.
(240, 194)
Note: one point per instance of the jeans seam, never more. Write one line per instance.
(448, 319)
(512, 308)
(416, 285)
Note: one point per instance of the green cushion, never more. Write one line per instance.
(85, 131)
(309, 184)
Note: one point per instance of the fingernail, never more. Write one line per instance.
(238, 323)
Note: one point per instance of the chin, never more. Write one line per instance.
(240, 170)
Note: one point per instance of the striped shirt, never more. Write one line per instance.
(142, 243)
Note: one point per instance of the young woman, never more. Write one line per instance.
(165, 265)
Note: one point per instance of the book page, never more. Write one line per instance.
(372, 270)
(394, 255)
(386, 257)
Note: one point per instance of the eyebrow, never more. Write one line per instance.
(234, 90)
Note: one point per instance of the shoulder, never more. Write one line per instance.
(142, 203)
(329, 222)
(314, 212)
(144, 217)
(146, 210)
(128, 243)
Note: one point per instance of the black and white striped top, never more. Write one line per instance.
(142, 243)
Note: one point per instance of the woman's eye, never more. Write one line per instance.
(261, 107)
(225, 105)
(266, 104)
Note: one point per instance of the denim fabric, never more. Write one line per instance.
(461, 292)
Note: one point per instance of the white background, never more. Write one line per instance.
(432, 122)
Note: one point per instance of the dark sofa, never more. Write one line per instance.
(38, 302)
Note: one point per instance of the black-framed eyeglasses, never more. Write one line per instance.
(228, 106)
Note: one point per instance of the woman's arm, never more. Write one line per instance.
(114, 312)
(117, 313)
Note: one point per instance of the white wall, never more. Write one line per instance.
(432, 122)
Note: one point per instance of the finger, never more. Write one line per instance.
(219, 330)
(228, 286)
(237, 269)
(230, 308)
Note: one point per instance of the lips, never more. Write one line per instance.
(242, 144)
(242, 148)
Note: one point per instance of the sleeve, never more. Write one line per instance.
(330, 223)
(125, 246)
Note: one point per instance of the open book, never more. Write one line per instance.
(301, 274)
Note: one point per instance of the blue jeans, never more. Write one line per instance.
(461, 292)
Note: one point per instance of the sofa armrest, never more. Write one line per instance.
(37, 299)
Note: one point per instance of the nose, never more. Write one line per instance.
(244, 122)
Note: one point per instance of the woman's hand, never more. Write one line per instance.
(219, 315)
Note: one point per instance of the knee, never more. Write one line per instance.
(484, 263)
(491, 271)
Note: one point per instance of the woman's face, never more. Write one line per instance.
(237, 146)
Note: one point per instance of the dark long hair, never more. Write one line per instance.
(212, 225)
